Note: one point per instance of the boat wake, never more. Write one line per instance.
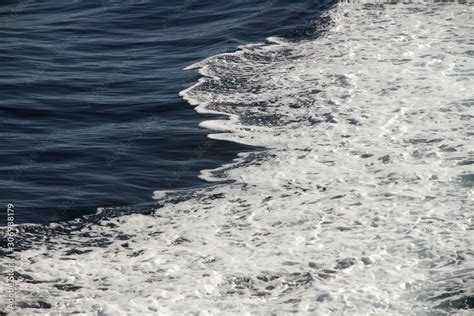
(358, 200)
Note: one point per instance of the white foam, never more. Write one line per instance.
(356, 207)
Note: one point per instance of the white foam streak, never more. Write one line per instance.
(360, 205)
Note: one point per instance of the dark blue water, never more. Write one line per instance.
(89, 105)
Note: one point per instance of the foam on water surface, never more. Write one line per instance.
(360, 202)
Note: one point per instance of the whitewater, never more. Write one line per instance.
(357, 200)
